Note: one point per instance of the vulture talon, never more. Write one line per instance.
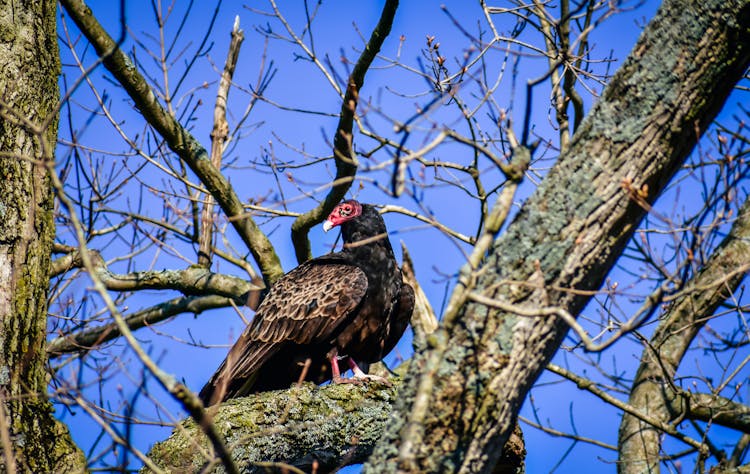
(374, 378)
(361, 376)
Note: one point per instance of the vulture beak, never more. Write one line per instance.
(327, 225)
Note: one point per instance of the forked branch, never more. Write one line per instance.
(343, 147)
(180, 141)
(218, 141)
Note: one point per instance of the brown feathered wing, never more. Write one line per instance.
(304, 307)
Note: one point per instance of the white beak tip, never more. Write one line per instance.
(327, 225)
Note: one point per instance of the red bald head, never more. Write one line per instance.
(344, 212)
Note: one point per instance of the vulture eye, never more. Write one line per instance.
(345, 210)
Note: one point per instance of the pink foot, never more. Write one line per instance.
(359, 376)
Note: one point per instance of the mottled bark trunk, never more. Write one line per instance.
(462, 396)
(29, 68)
(639, 443)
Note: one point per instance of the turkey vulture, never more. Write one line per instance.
(351, 306)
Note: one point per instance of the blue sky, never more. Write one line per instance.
(390, 93)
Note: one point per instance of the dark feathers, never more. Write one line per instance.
(348, 304)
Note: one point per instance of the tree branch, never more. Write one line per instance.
(334, 425)
(178, 138)
(191, 281)
(711, 408)
(86, 340)
(218, 141)
(343, 148)
(189, 401)
(589, 386)
(461, 398)
(303, 429)
(219, 291)
(640, 445)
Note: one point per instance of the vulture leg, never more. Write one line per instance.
(360, 376)
(333, 356)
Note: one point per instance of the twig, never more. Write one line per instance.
(345, 157)
(115, 437)
(190, 402)
(432, 221)
(650, 304)
(414, 428)
(218, 141)
(588, 385)
(86, 340)
(177, 137)
(192, 280)
(560, 434)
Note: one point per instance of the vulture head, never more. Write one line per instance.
(351, 305)
(361, 225)
(344, 212)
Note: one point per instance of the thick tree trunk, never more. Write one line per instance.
(461, 398)
(29, 68)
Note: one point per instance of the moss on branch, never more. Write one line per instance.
(332, 425)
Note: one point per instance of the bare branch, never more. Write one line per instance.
(687, 314)
(710, 408)
(179, 140)
(189, 401)
(589, 386)
(191, 281)
(427, 220)
(88, 339)
(556, 433)
(343, 150)
(116, 437)
(218, 141)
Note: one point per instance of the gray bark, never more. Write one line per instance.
(334, 426)
(653, 388)
(32, 440)
(462, 396)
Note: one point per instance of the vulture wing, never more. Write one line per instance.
(304, 307)
(402, 311)
(351, 304)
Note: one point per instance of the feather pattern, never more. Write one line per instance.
(351, 303)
